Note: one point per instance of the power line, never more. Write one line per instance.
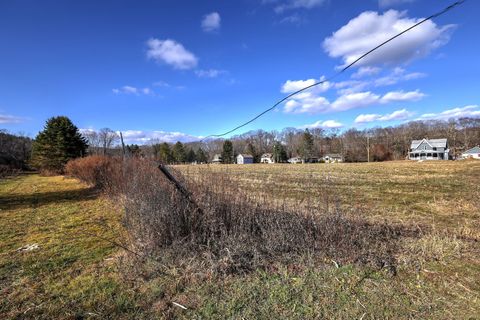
(450, 7)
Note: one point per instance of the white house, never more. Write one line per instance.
(429, 149)
(295, 160)
(244, 159)
(217, 158)
(267, 158)
(333, 157)
(473, 153)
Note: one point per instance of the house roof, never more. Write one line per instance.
(474, 150)
(245, 155)
(267, 155)
(437, 143)
(333, 155)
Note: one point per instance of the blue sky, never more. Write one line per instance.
(182, 69)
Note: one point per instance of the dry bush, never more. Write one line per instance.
(96, 171)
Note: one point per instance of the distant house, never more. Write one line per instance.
(333, 157)
(267, 158)
(217, 158)
(244, 159)
(473, 153)
(429, 149)
(312, 160)
(295, 160)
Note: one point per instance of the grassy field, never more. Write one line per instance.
(74, 275)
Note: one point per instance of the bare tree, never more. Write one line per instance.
(107, 138)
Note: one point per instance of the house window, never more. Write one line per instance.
(434, 148)
(424, 147)
(435, 155)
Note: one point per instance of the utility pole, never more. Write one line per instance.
(123, 145)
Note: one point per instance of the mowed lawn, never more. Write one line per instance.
(72, 275)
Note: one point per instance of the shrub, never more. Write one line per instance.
(96, 171)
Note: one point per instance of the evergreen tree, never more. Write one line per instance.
(59, 142)
(279, 152)
(307, 145)
(179, 154)
(134, 150)
(201, 156)
(253, 152)
(227, 153)
(191, 156)
(164, 153)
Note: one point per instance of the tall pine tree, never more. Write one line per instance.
(59, 142)
(179, 153)
(227, 153)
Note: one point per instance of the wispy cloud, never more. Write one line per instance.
(327, 124)
(211, 22)
(9, 119)
(392, 3)
(402, 114)
(472, 111)
(398, 74)
(209, 73)
(133, 90)
(172, 53)
(366, 71)
(283, 6)
(295, 19)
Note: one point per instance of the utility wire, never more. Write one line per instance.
(450, 7)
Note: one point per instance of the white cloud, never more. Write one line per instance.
(472, 111)
(293, 19)
(307, 103)
(209, 73)
(398, 74)
(369, 29)
(402, 114)
(355, 100)
(297, 4)
(391, 3)
(133, 90)
(291, 86)
(161, 84)
(311, 102)
(172, 53)
(9, 119)
(211, 22)
(395, 96)
(366, 71)
(327, 124)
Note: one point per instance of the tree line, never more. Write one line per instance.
(372, 144)
(61, 140)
